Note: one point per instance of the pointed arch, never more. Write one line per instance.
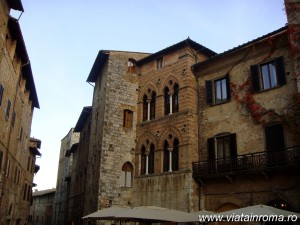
(145, 90)
(145, 139)
(166, 83)
(174, 132)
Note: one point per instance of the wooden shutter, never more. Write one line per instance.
(228, 86)
(280, 71)
(233, 149)
(211, 149)
(209, 92)
(254, 69)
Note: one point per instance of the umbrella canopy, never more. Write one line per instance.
(260, 211)
(203, 215)
(155, 213)
(107, 213)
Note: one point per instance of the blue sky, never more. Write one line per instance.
(63, 38)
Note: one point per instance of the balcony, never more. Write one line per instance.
(247, 164)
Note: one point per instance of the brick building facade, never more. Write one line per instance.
(167, 126)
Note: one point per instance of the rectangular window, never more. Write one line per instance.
(1, 93)
(217, 91)
(25, 192)
(159, 63)
(8, 109)
(131, 65)
(220, 87)
(268, 75)
(13, 119)
(128, 118)
(222, 146)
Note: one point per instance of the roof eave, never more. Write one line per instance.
(188, 42)
(15, 4)
(98, 64)
(238, 48)
(86, 111)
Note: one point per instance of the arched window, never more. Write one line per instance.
(175, 157)
(167, 101)
(145, 108)
(126, 175)
(151, 159)
(143, 160)
(166, 163)
(175, 102)
(152, 105)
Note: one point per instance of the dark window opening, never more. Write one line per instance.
(175, 99)
(167, 101)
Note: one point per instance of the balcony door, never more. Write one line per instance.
(222, 153)
(275, 145)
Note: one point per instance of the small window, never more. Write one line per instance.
(167, 100)
(175, 99)
(217, 91)
(1, 93)
(145, 108)
(159, 63)
(128, 118)
(127, 174)
(131, 65)
(8, 109)
(152, 106)
(268, 75)
(13, 119)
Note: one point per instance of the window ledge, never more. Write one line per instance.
(220, 103)
(269, 89)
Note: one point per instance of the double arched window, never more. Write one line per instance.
(171, 99)
(147, 159)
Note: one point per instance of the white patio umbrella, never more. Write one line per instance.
(257, 211)
(110, 213)
(154, 213)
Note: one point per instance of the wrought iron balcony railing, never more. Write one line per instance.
(248, 163)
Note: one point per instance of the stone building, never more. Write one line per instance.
(249, 126)
(18, 98)
(42, 207)
(167, 127)
(113, 130)
(61, 200)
